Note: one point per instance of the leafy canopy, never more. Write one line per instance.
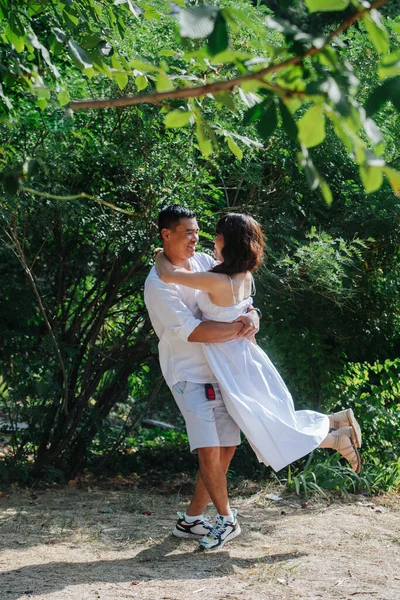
(269, 71)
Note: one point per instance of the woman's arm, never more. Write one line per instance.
(206, 281)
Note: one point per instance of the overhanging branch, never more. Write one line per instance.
(220, 86)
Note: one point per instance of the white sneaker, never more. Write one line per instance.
(222, 532)
(195, 529)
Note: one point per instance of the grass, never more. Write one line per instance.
(328, 475)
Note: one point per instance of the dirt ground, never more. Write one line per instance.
(88, 543)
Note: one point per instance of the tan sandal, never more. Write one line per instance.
(346, 418)
(345, 443)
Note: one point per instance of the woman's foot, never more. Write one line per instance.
(346, 418)
(345, 442)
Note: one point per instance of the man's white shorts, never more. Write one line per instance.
(208, 423)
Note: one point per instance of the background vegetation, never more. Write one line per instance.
(79, 367)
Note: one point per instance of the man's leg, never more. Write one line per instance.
(214, 434)
(202, 491)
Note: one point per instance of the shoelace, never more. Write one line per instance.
(217, 528)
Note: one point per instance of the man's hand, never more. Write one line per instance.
(251, 324)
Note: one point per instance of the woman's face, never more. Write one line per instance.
(218, 245)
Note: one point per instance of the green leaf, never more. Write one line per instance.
(177, 118)
(63, 98)
(371, 178)
(376, 31)
(390, 65)
(234, 148)
(118, 73)
(268, 122)
(42, 104)
(15, 36)
(168, 53)
(326, 192)
(394, 179)
(254, 113)
(226, 99)
(141, 65)
(163, 83)
(89, 41)
(204, 143)
(151, 13)
(81, 56)
(42, 93)
(312, 127)
(141, 82)
(288, 123)
(326, 5)
(197, 22)
(71, 18)
(218, 40)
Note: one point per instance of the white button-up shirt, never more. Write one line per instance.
(174, 314)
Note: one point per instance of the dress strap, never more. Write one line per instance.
(253, 286)
(233, 293)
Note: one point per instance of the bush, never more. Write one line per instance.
(373, 391)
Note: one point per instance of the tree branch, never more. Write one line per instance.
(79, 197)
(221, 86)
(20, 254)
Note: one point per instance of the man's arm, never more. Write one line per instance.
(164, 301)
(211, 332)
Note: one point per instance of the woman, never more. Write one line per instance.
(253, 391)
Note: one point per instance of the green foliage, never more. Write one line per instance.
(324, 265)
(235, 50)
(88, 267)
(373, 391)
(321, 474)
(329, 288)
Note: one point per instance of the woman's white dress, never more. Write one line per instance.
(256, 396)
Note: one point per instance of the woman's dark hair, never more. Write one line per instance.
(243, 244)
(170, 216)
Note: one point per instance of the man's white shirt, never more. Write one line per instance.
(174, 314)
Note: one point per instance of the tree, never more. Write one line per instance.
(274, 66)
(75, 338)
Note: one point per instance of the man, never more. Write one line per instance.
(212, 432)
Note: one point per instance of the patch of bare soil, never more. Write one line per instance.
(78, 544)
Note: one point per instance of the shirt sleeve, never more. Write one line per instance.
(163, 300)
(207, 261)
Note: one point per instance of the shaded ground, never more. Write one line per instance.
(78, 544)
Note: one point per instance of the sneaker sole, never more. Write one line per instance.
(187, 536)
(232, 536)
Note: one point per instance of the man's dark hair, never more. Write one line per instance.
(170, 216)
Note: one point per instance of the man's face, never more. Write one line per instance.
(182, 239)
